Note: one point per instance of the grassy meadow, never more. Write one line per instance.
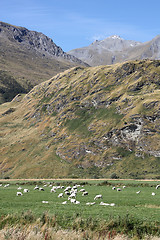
(133, 214)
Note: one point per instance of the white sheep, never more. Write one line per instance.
(82, 190)
(44, 201)
(113, 188)
(53, 190)
(19, 188)
(19, 194)
(153, 194)
(72, 200)
(138, 192)
(119, 189)
(77, 202)
(65, 202)
(90, 203)
(98, 197)
(84, 193)
(60, 195)
(73, 195)
(158, 186)
(36, 187)
(25, 190)
(104, 204)
(41, 189)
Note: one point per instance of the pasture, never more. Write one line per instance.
(134, 208)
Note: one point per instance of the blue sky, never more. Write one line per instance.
(72, 24)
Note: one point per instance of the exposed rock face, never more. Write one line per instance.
(115, 49)
(34, 40)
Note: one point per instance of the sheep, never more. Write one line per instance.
(19, 194)
(124, 186)
(112, 204)
(53, 190)
(119, 189)
(104, 204)
(73, 195)
(113, 188)
(7, 185)
(65, 202)
(138, 192)
(98, 197)
(153, 194)
(67, 193)
(107, 204)
(77, 202)
(82, 190)
(19, 188)
(44, 201)
(90, 203)
(36, 187)
(84, 193)
(25, 190)
(41, 189)
(158, 186)
(60, 195)
(72, 200)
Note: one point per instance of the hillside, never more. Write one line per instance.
(30, 58)
(94, 122)
(115, 49)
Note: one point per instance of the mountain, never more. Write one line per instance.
(115, 49)
(29, 58)
(87, 122)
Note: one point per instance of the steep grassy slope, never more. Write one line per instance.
(86, 122)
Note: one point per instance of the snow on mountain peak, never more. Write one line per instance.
(115, 37)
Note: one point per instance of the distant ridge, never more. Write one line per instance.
(115, 49)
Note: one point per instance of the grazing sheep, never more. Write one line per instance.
(84, 193)
(119, 189)
(82, 190)
(73, 195)
(60, 195)
(153, 194)
(124, 186)
(158, 186)
(90, 203)
(19, 194)
(104, 204)
(72, 200)
(65, 202)
(77, 202)
(112, 204)
(7, 185)
(138, 192)
(53, 190)
(44, 201)
(36, 187)
(19, 188)
(41, 189)
(67, 193)
(113, 188)
(25, 190)
(98, 197)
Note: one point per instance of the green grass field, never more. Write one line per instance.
(130, 208)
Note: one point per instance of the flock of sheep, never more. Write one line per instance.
(70, 193)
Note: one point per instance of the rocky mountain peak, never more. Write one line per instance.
(34, 40)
